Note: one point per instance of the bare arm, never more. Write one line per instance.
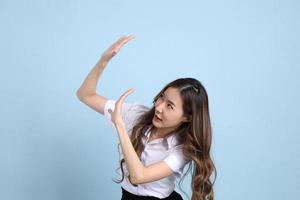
(88, 86)
(138, 172)
(87, 91)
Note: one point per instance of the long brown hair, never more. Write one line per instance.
(195, 135)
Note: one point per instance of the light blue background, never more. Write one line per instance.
(246, 53)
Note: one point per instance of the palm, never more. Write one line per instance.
(116, 115)
(115, 47)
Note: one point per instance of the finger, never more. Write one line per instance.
(118, 42)
(124, 40)
(123, 97)
(119, 46)
(125, 94)
(115, 48)
(121, 39)
(128, 38)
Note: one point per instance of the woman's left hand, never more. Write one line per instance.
(116, 115)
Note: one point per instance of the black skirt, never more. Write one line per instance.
(129, 196)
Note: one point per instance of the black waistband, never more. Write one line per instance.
(129, 196)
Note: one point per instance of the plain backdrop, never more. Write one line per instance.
(246, 54)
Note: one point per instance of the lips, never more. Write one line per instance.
(157, 118)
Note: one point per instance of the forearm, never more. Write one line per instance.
(134, 165)
(89, 85)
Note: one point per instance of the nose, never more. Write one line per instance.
(158, 108)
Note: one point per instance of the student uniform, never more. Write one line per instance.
(169, 150)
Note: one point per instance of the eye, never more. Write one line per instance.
(170, 106)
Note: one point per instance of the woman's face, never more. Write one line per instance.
(169, 110)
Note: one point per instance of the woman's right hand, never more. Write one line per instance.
(115, 47)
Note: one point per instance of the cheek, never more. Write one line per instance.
(172, 119)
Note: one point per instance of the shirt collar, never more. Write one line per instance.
(172, 140)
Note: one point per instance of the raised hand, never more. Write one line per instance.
(116, 115)
(115, 48)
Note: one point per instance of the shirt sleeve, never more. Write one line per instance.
(130, 113)
(176, 160)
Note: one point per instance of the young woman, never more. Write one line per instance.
(158, 142)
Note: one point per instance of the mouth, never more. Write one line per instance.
(157, 118)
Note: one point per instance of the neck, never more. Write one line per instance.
(161, 132)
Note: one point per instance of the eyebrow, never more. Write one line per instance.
(169, 100)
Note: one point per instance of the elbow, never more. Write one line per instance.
(138, 179)
(135, 181)
(79, 95)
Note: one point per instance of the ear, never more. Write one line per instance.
(187, 119)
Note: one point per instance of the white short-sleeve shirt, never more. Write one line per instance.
(169, 150)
